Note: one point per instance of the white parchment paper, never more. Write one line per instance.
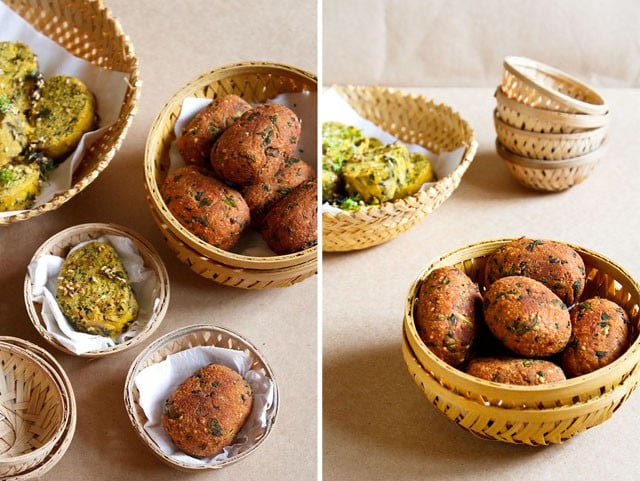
(43, 274)
(156, 383)
(108, 86)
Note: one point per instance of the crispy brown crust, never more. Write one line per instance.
(527, 372)
(556, 265)
(526, 316)
(445, 314)
(206, 412)
(600, 335)
(207, 207)
(256, 146)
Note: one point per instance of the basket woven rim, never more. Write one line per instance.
(152, 189)
(130, 395)
(585, 159)
(513, 65)
(147, 250)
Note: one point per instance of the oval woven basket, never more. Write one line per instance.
(550, 175)
(87, 30)
(548, 146)
(542, 86)
(535, 415)
(524, 117)
(48, 363)
(255, 82)
(180, 340)
(412, 119)
(60, 244)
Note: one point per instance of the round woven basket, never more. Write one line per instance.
(548, 146)
(60, 244)
(412, 119)
(87, 30)
(524, 117)
(41, 357)
(256, 82)
(180, 340)
(539, 85)
(550, 175)
(535, 415)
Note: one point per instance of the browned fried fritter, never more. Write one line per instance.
(528, 372)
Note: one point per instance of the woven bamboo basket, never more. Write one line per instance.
(180, 340)
(256, 82)
(535, 415)
(48, 363)
(548, 146)
(412, 119)
(86, 29)
(524, 117)
(550, 175)
(541, 86)
(62, 242)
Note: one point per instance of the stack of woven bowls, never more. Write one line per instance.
(551, 127)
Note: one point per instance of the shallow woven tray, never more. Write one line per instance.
(255, 82)
(524, 117)
(548, 146)
(62, 242)
(180, 340)
(535, 415)
(542, 86)
(87, 30)
(412, 119)
(550, 175)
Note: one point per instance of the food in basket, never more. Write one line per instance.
(291, 225)
(14, 133)
(526, 316)
(600, 335)
(94, 292)
(257, 145)
(555, 264)
(445, 314)
(206, 206)
(207, 125)
(19, 186)
(527, 372)
(206, 412)
(18, 75)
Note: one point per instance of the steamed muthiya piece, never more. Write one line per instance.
(445, 314)
(14, 134)
(256, 146)
(343, 143)
(19, 186)
(206, 206)
(526, 372)
(599, 336)
(207, 125)
(526, 316)
(556, 265)
(18, 75)
(207, 410)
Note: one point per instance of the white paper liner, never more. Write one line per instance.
(108, 86)
(303, 104)
(43, 274)
(156, 383)
(335, 108)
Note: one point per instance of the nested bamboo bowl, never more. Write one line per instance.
(37, 411)
(61, 243)
(534, 415)
(180, 340)
(87, 30)
(255, 82)
(412, 119)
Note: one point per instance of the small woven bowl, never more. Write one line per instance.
(412, 119)
(550, 175)
(524, 117)
(62, 242)
(180, 340)
(256, 82)
(88, 31)
(548, 146)
(538, 85)
(535, 415)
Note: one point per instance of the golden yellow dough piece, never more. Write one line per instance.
(19, 186)
(18, 74)
(420, 172)
(14, 134)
